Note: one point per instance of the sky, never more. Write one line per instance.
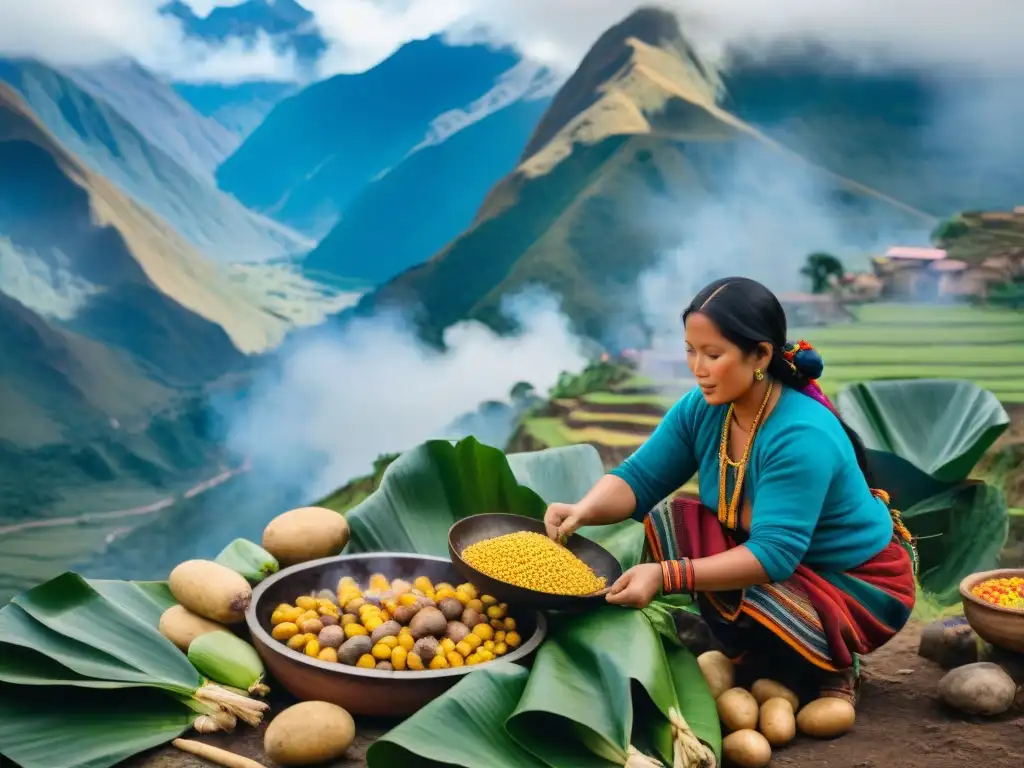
(361, 33)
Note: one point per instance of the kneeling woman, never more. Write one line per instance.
(789, 551)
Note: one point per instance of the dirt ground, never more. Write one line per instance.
(900, 724)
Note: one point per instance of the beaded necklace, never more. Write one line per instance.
(727, 510)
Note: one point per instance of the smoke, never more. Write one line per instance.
(338, 401)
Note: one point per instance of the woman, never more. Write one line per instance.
(789, 552)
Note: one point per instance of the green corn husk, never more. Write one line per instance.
(227, 659)
(250, 560)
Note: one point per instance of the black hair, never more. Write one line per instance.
(748, 315)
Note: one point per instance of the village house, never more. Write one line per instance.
(928, 274)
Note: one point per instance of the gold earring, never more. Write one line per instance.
(759, 374)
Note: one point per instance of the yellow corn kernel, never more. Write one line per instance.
(510, 624)
(422, 583)
(488, 645)
(353, 630)
(390, 605)
(405, 640)
(454, 659)
(532, 560)
(307, 615)
(438, 662)
(476, 604)
(285, 631)
(346, 596)
(297, 642)
(367, 608)
(513, 640)
(347, 581)
(464, 648)
(497, 623)
(408, 599)
(413, 661)
(500, 649)
(473, 659)
(484, 654)
(441, 592)
(444, 585)
(381, 652)
(279, 617)
(497, 611)
(469, 589)
(348, 618)
(499, 636)
(463, 597)
(384, 615)
(390, 641)
(328, 607)
(366, 661)
(430, 594)
(484, 631)
(488, 599)
(447, 645)
(306, 602)
(472, 640)
(399, 657)
(328, 654)
(380, 582)
(372, 622)
(312, 647)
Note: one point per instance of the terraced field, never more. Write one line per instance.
(891, 341)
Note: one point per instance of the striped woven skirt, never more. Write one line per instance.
(826, 617)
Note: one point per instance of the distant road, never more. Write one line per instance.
(195, 490)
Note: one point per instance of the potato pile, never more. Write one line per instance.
(397, 626)
(768, 715)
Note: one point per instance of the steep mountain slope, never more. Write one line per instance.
(414, 209)
(317, 149)
(290, 26)
(238, 107)
(75, 249)
(632, 157)
(110, 145)
(170, 123)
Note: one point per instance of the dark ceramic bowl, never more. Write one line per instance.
(476, 528)
(363, 691)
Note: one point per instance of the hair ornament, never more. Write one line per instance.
(804, 358)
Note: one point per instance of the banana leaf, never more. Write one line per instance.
(429, 488)
(576, 707)
(75, 728)
(922, 435)
(960, 531)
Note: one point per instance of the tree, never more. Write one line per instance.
(521, 391)
(820, 268)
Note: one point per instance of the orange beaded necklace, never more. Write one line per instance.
(728, 510)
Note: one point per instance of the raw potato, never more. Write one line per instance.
(179, 625)
(451, 608)
(210, 590)
(978, 689)
(765, 689)
(826, 718)
(309, 732)
(718, 672)
(737, 710)
(350, 651)
(387, 629)
(456, 631)
(777, 722)
(429, 622)
(304, 534)
(746, 749)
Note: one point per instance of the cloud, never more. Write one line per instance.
(374, 388)
(361, 33)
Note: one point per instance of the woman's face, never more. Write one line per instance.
(723, 371)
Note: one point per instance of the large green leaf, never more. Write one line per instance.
(940, 426)
(427, 489)
(960, 531)
(558, 474)
(71, 622)
(74, 728)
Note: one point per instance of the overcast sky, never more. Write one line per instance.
(980, 33)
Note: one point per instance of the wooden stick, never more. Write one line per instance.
(215, 754)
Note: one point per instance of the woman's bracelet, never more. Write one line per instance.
(677, 576)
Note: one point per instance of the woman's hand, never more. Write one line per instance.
(562, 520)
(637, 587)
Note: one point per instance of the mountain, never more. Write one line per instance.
(106, 141)
(289, 26)
(317, 149)
(634, 155)
(239, 107)
(77, 251)
(194, 141)
(397, 221)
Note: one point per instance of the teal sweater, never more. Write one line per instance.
(810, 501)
